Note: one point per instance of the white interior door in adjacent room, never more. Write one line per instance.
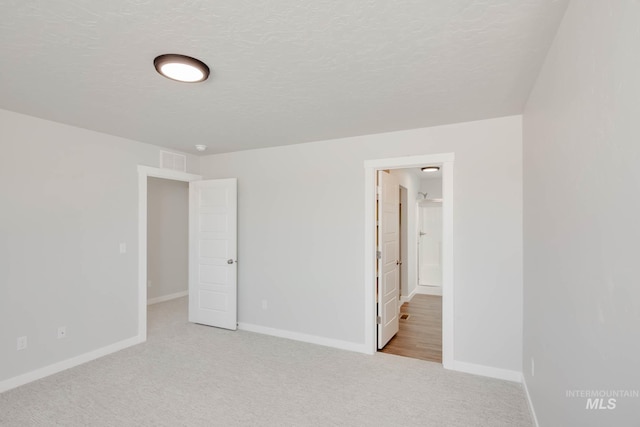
(389, 256)
(213, 251)
(430, 243)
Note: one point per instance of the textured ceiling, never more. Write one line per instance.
(283, 71)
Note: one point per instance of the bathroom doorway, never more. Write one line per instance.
(419, 318)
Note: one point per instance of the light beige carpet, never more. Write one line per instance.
(192, 375)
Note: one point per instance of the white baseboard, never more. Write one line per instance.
(404, 299)
(486, 371)
(531, 408)
(167, 297)
(429, 290)
(296, 336)
(68, 363)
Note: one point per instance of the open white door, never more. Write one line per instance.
(212, 253)
(388, 256)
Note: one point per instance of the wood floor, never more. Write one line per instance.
(420, 334)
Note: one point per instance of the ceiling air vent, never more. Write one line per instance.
(176, 162)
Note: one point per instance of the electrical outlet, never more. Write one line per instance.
(21, 343)
(62, 332)
(533, 367)
(123, 248)
(264, 304)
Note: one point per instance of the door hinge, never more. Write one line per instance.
(378, 320)
(378, 254)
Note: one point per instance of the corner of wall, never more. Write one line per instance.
(530, 402)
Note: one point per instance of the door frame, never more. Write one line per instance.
(404, 242)
(446, 160)
(144, 172)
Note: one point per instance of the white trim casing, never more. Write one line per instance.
(428, 290)
(371, 166)
(530, 402)
(144, 172)
(487, 371)
(296, 336)
(369, 257)
(66, 364)
(168, 297)
(404, 299)
(448, 355)
(168, 174)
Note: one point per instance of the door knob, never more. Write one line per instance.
(230, 261)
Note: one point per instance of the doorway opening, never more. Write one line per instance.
(144, 174)
(376, 280)
(167, 251)
(419, 333)
(167, 239)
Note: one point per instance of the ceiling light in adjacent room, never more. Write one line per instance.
(181, 68)
(201, 147)
(431, 169)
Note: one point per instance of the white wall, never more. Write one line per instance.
(167, 237)
(409, 267)
(581, 207)
(431, 186)
(301, 233)
(69, 198)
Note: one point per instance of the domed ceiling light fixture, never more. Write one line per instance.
(181, 68)
(430, 169)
